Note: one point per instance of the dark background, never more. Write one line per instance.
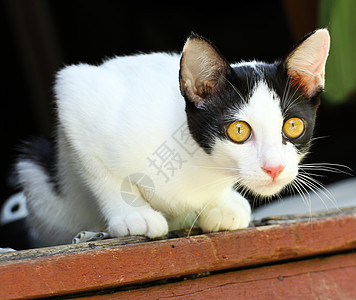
(38, 37)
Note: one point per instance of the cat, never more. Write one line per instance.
(154, 142)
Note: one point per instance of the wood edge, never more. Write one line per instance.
(114, 266)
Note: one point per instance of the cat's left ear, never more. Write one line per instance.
(306, 63)
(202, 69)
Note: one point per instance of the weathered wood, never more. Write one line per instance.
(99, 267)
(108, 243)
(326, 278)
(70, 248)
(81, 247)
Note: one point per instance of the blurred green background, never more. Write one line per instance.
(339, 16)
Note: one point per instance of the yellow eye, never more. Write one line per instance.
(239, 131)
(293, 128)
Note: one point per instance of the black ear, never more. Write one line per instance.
(306, 63)
(202, 69)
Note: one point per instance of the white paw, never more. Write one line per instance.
(231, 217)
(146, 222)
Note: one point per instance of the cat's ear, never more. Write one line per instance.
(202, 69)
(306, 63)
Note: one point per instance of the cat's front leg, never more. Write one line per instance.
(230, 213)
(138, 221)
(132, 215)
(126, 212)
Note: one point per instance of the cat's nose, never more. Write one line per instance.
(273, 171)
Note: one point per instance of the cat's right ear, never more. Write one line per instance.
(202, 69)
(306, 63)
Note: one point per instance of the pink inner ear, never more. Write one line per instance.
(310, 79)
(306, 65)
(306, 82)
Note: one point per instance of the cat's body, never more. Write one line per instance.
(143, 144)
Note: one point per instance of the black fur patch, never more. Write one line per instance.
(208, 122)
(41, 151)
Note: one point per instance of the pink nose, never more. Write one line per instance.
(273, 171)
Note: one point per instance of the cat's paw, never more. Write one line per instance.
(230, 217)
(146, 222)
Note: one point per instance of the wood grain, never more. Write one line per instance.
(322, 278)
(108, 264)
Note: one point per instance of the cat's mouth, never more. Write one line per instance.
(260, 183)
(268, 190)
(266, 187)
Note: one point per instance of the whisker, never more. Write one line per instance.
(319, 137)
(317, 188)
(286, 90)
(298, 186)
(310, 186)
(241, 189)
(198, 215)
(212, 167)
(217, 182)
(237, 91)
(290, 102)
(298, 87)
(328, 167)
(305, 179)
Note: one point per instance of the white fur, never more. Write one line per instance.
(264, 148)
(112, 120)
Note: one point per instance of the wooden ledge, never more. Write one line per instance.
(319, 278)
(109, 264)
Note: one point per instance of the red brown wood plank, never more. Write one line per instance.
(123, 265)
(328, 278)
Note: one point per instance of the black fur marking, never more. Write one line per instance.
(208, 123)
(42, 151)
(294, 103)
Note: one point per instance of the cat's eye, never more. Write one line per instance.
(239, 131)
(293, 128)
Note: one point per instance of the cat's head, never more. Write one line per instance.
(254, 119)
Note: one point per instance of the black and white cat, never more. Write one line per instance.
(154, 142)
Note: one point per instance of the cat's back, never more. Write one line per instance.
(159, 64)
(127, 85)
(141, 72)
